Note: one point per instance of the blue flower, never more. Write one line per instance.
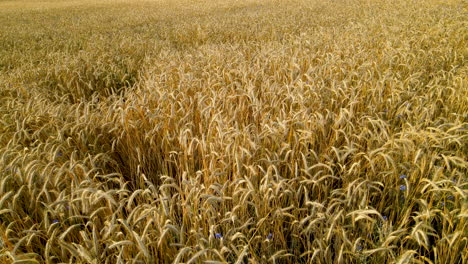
(442, 204)
(385, 218)
(451, 198)
(270, 236)
(218, 235)
(55, 221)
(60, 154)
(402, 187)
(403, 176)
(359, 248)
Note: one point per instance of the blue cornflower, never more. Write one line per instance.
(59, 154)
(402, 187)
(55, 221)
(270, 236)
(385, 218)
(403, 176)
(451, 198)
(218, 235)
(442, 204)
(359, 248)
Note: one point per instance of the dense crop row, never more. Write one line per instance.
(233, 131)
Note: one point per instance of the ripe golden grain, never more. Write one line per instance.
(252, 131)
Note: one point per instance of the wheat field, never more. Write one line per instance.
(248, 131)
